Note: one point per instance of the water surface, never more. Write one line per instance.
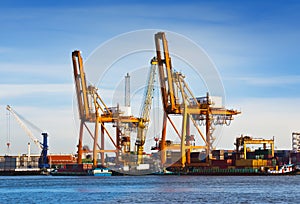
(150, 189)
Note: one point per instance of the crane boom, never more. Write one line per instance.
(92, 109)
(28, 132)
(166, 74)
(178, 99)
(81, 87)
(43, 160)
(145, 111)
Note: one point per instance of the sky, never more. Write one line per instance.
(253, 44)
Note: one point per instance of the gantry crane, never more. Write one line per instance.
(145, 111)
(178, 99)
(242, 142)
(92, 109)
(43, 160)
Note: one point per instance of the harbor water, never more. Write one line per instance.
(150, 189)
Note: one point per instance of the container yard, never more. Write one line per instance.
(128, 135)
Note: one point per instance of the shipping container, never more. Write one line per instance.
(251, 162)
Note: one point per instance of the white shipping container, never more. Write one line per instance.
(143, 167)
(216, 101)
(126, 168)
(125, 110)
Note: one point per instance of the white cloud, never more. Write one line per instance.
(36, 69)
(268, 80)
(19, 90)
(264, 118)
(57, 122)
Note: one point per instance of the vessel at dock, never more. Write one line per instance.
(73, 170)
(283, 170)
(233, 171)
(263, 160)
(81, 170)
(23, 172)
(102, 171)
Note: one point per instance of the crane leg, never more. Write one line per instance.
(102, 145)
(79, 146)
(163, 140)
(183, 137)
(95, 162)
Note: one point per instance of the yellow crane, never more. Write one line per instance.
(92, 109)
(178, 99)
(242, 142)
(145, 111)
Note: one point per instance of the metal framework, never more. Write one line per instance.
(25, 128)
(92, 109)
(43, 147)
(178, 99)
(243, 141)
(145, 111)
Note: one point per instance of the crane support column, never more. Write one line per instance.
(163, 155)
(102, 144)
(183, 136)
(95, 158)
(79, 146)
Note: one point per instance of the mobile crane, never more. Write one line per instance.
(43, 160)
(145, 111)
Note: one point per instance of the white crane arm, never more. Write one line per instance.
(24, 127)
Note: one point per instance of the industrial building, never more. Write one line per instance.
(296, 141)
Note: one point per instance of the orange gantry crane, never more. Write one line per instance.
(92, 109)
(178, 99)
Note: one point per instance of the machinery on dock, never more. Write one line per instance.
(255, 153)
(145, 111)
(178, 99)
(43, 160)
(243, 150)
(92, 109)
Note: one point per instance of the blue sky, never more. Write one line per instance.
(254, 44)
